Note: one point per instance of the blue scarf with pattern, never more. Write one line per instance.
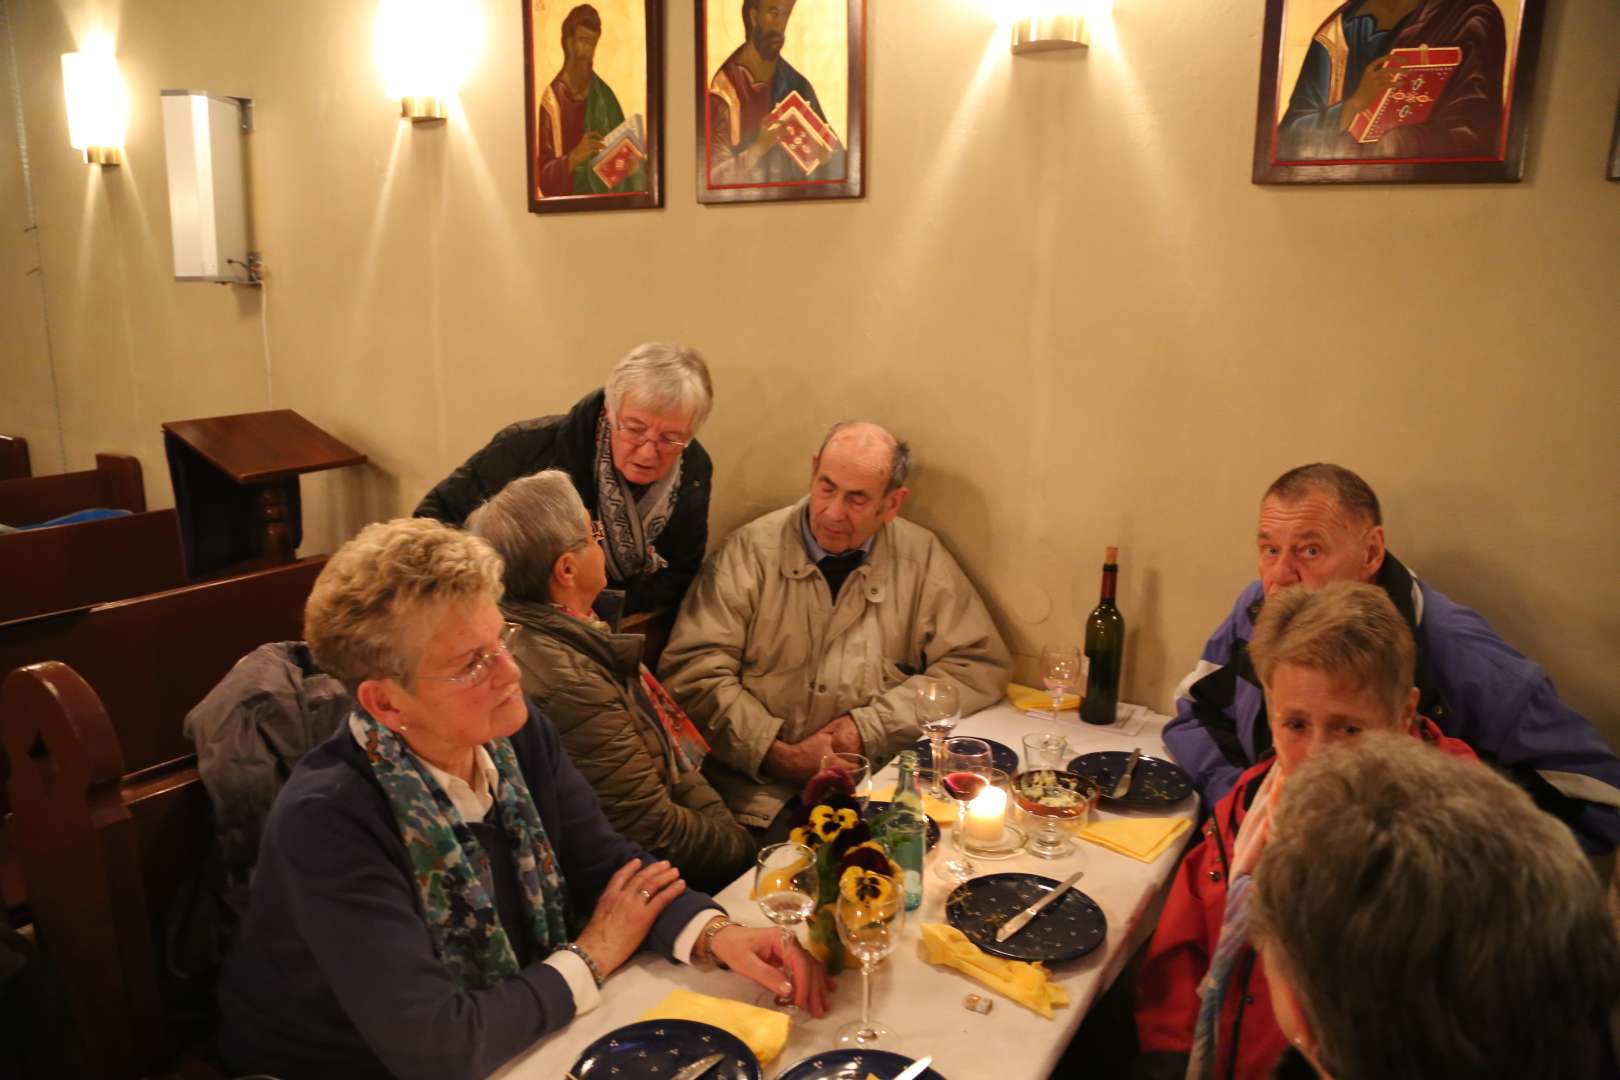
(453, 876)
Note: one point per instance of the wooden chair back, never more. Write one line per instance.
(115, 484)
(75, 566)
(108, 816)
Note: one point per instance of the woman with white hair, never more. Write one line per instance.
(631, 450)
(625, 733)
(436, 886)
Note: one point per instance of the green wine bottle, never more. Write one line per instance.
(1105, 648)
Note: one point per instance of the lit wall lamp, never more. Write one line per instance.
(425, 49)
(97, 107)
(1043, 26)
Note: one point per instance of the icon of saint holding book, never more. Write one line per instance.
(1400, 80)
(765, 123)
(586, 147)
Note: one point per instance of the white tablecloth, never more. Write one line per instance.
(922, 1003)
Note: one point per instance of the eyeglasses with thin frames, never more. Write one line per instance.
(480, 667)
(638, 434)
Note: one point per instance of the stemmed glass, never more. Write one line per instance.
(785, 885)
(937, 714)
(966, 771)
(859, 770)
(870, 929)
(1060, 672)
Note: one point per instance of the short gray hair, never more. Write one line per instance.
(899, 452)
(1431, 920)
(531, 523)
(668, 379)
(1354, 495)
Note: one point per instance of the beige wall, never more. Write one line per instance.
(1062, 288)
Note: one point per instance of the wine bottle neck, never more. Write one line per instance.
(1110, 573)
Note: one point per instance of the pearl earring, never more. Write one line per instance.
(402, 729)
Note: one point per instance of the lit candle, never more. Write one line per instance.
(987, 814)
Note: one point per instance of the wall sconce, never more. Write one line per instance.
(1043, 27)
(97, 107)
(425, 49)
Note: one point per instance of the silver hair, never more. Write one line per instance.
(1423, 897)
(668, 379)
(899, 452)
(531, 523)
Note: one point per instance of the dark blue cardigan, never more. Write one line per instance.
(334, 973)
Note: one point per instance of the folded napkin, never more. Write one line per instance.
(1032, 699)
(1028, 984)
(1140, 838)
(764, 1031)
(943, 811)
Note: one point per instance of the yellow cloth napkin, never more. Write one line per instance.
(1140, 838)
(764, 1031)
(1028, 984)
(942, 811)
(1029, 697)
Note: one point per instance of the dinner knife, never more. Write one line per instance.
(1021, 920)
(1124, 784)
(698, 1067)
(916, 1069)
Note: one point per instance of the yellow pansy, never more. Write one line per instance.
(828, 821)
(866, 887)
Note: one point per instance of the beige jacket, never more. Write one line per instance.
(760, 652)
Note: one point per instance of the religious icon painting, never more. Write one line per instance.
(594, 81)
(781, 100)
(1395, 91)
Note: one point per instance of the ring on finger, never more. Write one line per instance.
(646, 897)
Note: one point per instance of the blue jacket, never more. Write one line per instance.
(335, 975)
(1474, 686)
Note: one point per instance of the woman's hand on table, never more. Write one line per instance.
(635, 896)
(763, 955)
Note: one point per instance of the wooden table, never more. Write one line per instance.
(923, 1003)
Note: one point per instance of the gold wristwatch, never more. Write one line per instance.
(706, 939)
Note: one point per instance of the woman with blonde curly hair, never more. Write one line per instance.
(437, 887)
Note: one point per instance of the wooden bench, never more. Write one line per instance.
(115, 483)
(75, 566)
(108, 816)
(14, 457)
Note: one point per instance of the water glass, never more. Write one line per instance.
(1060, 672)
(785, 886)
(938, 710)
(859, 770)
(1043, 750)
(870, 930)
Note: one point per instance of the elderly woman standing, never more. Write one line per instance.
(630, 449)
(1334, 663)
(1418, 917)
(437, 887)
(622, 730)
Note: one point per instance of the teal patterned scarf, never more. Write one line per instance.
(452, 871)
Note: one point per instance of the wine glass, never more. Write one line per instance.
(1054, 796)
(965, 773)
(785, 886)
(869, 927)
(937, 714)
(1060, 672)
(859, 770)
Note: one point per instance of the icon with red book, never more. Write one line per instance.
(805, 137)
(1420, 76)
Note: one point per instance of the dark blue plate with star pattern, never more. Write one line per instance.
(854, 1065)
(661, 1048)
(1155, 785)
(1070, 928)
(1002, 756)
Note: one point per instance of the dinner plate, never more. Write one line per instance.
(873, 809)
(660, 1048)
(1155, 784)
(1002, 756)
(853, 1065)
(1071, 927)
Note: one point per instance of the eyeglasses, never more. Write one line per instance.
(596, 537)
(482, 665)
(638, 434)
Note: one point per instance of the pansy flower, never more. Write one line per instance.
(828, 821)
(867, 856)
(861, 886)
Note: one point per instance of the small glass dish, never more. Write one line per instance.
(1057, 798)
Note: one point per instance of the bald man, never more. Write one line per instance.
(806, 631)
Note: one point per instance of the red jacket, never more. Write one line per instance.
(1248, 1041)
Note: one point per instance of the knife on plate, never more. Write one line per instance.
(1124, 784)
(698, 1067)
(916, 1069)
(1021, 920)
